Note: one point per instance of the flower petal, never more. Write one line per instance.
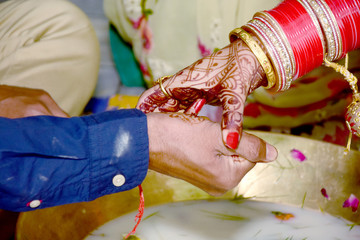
(283, 216)
(298, 155)
(203, 49)
(324, 193)
(352, 202)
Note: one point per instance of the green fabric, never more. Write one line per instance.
(125, 61)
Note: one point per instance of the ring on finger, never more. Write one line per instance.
(160, 82)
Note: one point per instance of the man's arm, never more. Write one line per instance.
(47, 161)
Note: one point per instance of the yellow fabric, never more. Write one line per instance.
(50, 45)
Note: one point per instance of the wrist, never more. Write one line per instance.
(255, 47)
(158, 140)
(253, 72)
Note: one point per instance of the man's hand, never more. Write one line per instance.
(190, 148)
(18, 102)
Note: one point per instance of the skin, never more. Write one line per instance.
(224, 78)
(18, 102)
(190, 148)
(180, 145)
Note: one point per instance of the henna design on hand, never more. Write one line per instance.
(153, 101)
(224, 78)
(233, 65)
(188, 118)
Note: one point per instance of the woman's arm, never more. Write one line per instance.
(296, 36)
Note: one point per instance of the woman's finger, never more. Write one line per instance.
(232, 100)
(151, 99)
(196, 107)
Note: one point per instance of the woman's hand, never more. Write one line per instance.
(18, 102)
(190, 148)
(224, 78)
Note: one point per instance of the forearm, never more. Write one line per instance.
(58, 161)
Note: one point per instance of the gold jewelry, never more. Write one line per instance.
(160, 82)
(257, 51)
(352, 115)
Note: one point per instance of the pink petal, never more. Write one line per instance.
(297, 155)
(352, 202)
(324, 193)
(203, 50)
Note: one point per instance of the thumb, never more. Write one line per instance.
(255, 149)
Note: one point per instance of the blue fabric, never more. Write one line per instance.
(66, 160)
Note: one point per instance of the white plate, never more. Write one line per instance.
(227, 220)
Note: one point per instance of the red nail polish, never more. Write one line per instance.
(199, 105)
(232, 140)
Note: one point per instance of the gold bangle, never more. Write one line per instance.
(160, 82)
(257, 51)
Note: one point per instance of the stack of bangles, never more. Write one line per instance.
(300, 35)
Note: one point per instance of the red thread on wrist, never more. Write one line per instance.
(140, 213)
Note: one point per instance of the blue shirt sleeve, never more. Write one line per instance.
(47, 161)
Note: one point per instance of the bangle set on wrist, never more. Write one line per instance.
(301, 35)
(298, 35)
(258, 52)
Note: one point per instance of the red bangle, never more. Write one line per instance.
(299, 34)
(281, 44)
(330, 28)
(347, 16)
(305, 40)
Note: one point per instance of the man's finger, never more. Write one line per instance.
(256, 149)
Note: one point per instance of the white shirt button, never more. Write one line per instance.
(118, 180)
(35, 203)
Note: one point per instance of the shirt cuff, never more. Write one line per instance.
(120, 151)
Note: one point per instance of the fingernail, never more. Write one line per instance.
(271, 152)
(232, 140)
(199, 105)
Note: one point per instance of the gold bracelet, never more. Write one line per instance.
(160, 82)
(257, 51)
